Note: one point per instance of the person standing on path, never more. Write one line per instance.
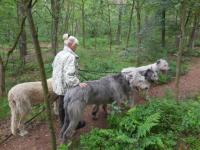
(65, 73)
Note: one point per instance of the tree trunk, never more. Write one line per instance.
(163, 27)
(55, 7)
(42, 71)
(95, 37)
(72, 19)
(109, 25)
(181, 45)
(2, 78)
(139, 38)
(119, 27)
(194, 28)
(130, 24)
(83, 21)
(22, 39)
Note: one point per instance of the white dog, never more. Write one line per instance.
(160, 65)
(21, 97)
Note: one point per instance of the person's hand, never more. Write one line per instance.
(82, 85)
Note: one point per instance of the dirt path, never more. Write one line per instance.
(39, 138)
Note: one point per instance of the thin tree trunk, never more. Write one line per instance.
(72, 19)
(95, 37)
(55, 7)
(109, 26)
(181, 45)
(130, 24)
(119, 27)
(42, 71)
(2, 78)
(194, 28)
(163, 27)
(139, 38)
(22, 39)
(83, 21)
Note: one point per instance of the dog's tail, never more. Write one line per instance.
(14, 113)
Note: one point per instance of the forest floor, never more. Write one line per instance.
(39, 137)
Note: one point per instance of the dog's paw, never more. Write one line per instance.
(23, 132)
(94, 117)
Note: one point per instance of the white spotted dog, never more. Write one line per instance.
(160, 65)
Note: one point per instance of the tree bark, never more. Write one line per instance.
(139, 38)
(109, 25)
(181, 45)
(194, 28)
(22, 39)
(55, 7)
(83, 21)
(130, 24)
(163, 27)
(2, 78)
(119, 27)
(42, 71)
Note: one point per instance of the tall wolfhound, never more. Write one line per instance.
(20, 98)
(150, 76)
(104, 91)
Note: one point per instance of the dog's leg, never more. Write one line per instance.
(55, 107)
(147, 97)
(69, 132)
(75, 112)
(105, 109)
(131, 100)
(65, 125)
(21, 125)
(14, 120)
(95, 110)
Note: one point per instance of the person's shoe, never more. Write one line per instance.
(81, 124)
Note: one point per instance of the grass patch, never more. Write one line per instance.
(4, 108)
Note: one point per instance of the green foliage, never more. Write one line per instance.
(4, 108)
(64, 147)
(158, 125)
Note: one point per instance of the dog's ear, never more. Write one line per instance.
(158, 61)
(146, 75)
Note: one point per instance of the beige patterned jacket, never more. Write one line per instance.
(65, 71)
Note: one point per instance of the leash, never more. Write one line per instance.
(100, 72)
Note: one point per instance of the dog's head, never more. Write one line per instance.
(150, 75)
(136, 80)
(162, 65)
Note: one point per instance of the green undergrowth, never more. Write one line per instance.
(161, 124)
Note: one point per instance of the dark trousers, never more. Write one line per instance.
(61, 109)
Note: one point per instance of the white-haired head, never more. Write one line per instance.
(70, 40)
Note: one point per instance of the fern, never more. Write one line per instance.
(150, 122)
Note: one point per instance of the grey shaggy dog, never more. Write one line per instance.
(104, 91)
(150, 75)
